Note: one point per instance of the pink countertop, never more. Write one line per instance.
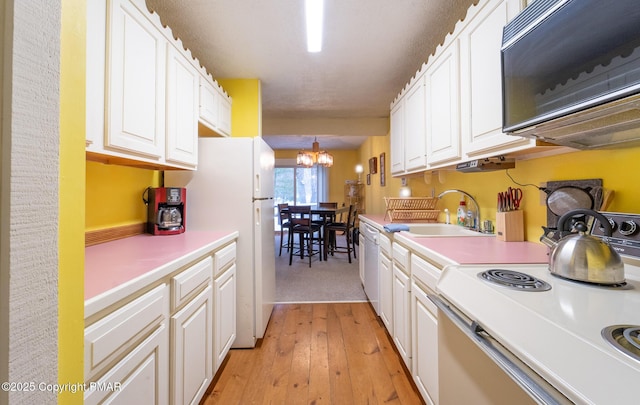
(114, 264)
(470, 249)
(484, 250)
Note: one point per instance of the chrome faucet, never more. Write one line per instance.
(476, 220)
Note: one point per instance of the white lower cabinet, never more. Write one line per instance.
(425, 344)
(224, 296)
(385, 268)
(424, 320)
(192, 342)
(225, 314)
(164, 345)
(361, 255)
(140, 378)
(402, 314)
(126, 353)
(401, 293)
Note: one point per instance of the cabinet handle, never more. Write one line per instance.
(527, 379)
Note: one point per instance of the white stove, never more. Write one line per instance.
(557, 332)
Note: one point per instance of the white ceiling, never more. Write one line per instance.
(371, 49)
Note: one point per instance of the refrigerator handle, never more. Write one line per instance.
(254, 199)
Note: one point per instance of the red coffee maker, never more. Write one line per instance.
(166, 210)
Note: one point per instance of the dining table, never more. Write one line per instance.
(327, 214)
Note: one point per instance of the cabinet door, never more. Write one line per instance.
(110, 338)
(397, 138)
(208, 108)
(402, 314)
(224, 115)
(481, 79)
(225, 315)
(192, 341)
(415, 141)
(443, 112)
(361, 256)
(142, 377)
(425, 344)
(182, 109)
(386, 291)
(136, 76)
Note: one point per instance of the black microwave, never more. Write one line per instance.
(571, 72)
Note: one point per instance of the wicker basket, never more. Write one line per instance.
(411, 209)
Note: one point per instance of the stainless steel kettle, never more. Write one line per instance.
(581, 257)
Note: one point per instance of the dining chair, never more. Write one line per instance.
(309, 233)
(283, 220)
(332, 205)
(343, 228)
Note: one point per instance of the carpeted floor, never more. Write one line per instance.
(334, 280)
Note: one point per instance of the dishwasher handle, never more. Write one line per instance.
(370, 233)
(541, 391)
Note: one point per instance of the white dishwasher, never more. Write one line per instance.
(371, 252)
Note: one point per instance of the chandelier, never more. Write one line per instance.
(308, 159)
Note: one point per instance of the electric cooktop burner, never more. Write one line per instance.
(514, 280)
(625, 338)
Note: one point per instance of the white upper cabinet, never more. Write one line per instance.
(443, 115)
(408, 136)
(462, 107)
(136, 61)
(209, 101)
(397, 137)
(182, 109)
(481, 80)
(143, 90)
(215, 108)
(415, 148)
(224, 114)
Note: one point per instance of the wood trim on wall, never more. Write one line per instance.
(108, 234)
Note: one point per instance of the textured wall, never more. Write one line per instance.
(28, 300)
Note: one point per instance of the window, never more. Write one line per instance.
(296, 185)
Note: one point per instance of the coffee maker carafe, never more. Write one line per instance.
(166, 210)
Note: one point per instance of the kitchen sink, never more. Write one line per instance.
(437, 230)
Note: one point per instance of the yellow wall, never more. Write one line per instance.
(114, 195)
(71, 200)
(615, 167)
(344, 163)
(246, 106)
(375, 193)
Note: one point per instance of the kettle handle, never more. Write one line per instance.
(603, 220)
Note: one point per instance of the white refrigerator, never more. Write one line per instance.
(233, 190)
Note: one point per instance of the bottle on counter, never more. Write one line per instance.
(462, 212)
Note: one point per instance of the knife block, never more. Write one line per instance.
(510, 226)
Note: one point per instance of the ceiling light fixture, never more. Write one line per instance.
(321, 157)
(314, 10)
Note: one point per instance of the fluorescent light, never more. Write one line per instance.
(314, 12)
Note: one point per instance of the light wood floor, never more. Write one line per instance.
(326, 353)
